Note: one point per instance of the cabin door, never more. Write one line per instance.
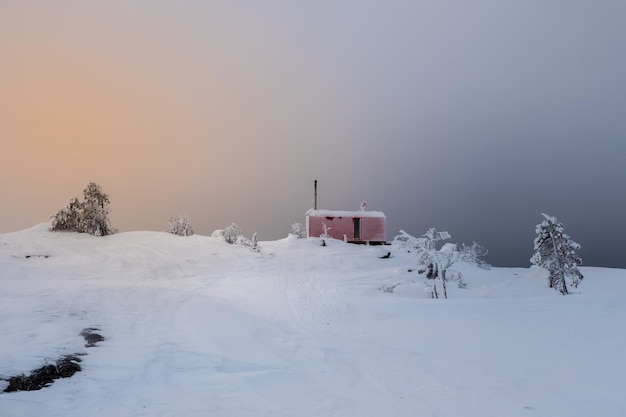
(357, 228)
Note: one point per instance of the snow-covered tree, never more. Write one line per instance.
(438, 261)
(325, 229)
(231, 233)
(89, 216)
(435, 262)
(408, 242)
(556, 252)
(68, 219)
(96, 211)
(253, 244)
(179, 225)
(298, 230)
(472, 254)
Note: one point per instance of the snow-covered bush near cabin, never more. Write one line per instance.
(556, 252)
(179, 225)
(436, 262)
(231, 233)
(89, 216)
(325, 229)
(298, 230)
(252, 244)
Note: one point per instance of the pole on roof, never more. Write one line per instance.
(315, 195)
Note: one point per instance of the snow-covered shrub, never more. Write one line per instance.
(69, 218)
(298, 230)
(325, 229)
(434, 262)
(233, 236)
(472, 254)
(231, 233)
(408, 242)
(252, 244)
(179, 225)
(556, 252)
(324, 235)
(389, 288)
(89, 216)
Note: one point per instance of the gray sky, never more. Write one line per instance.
(471, 117)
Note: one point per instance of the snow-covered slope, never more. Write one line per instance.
(196, 327)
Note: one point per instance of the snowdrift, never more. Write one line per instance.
(196, 327)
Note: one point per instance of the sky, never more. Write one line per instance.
(471, 117)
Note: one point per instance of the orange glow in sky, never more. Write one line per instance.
(468, 117)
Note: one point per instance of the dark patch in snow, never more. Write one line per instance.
(91, 337)
(65, 367)
(40, 378)
(37, 256)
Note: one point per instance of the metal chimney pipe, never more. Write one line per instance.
(315, 195)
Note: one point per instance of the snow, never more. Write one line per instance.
(197, 327)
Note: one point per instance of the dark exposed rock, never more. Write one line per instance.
(91, 337)
(65, 367)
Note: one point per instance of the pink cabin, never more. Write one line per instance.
(351, 226)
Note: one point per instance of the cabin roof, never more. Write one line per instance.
(339, 213)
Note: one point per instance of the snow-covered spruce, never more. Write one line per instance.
(556, 252)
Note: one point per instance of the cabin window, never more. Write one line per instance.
(357, 228)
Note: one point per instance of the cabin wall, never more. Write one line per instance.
(372, 228)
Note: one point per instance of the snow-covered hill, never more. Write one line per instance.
(196, 327)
